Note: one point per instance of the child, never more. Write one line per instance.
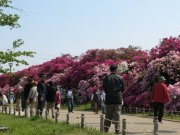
(58, 101)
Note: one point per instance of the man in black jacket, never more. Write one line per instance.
(113, 86)
(41, 88)
(27, 88)
(50, 97)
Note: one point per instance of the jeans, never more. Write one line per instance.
(103, 107)
(41, 106)
(70, 105)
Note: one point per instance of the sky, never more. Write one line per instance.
(54, 27)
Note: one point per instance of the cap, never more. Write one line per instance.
(113, 67)
(162, 78)
(43, 75)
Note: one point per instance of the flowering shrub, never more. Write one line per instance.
(165, 46)
(82, 89)
(167, 66)
(122, 67)
(138, 68)
(174, 91)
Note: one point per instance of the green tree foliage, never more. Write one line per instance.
(11, 55)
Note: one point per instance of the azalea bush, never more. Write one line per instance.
(174, 91)
(139, 69)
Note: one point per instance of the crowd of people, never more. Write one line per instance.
(36, 94)
(33, 96)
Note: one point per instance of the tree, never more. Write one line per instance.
(11, 55)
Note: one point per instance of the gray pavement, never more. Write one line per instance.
(134, 125)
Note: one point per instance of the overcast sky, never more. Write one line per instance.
(53, 27)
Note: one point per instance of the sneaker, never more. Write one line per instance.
(117, 132)
(106, 130)
(155, 119)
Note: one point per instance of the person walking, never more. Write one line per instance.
(113, 86)
(58, 101)
(3, 99)
(50, 97)
(41, 88)
(103, 106)
(11, 97)
(70, 100)
(159, 97)
(27, 88)
(18, 98)
(95, 98)
(32, 98)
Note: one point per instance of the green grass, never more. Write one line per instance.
(79, 107)
(38, 126)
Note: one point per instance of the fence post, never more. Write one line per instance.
(9, 109)
(26, 113)
(130, 109)
(56, 117)
(149, 111)
(143, 111)
(82, 120)
(102, 122)
(38, 112)
(67, 119)
(155, 127)
(19, 112)
(172, 114)
(136, 110)
(6, 109)
(124, 110)
(14, 110)
(124, 127)
(46, 114)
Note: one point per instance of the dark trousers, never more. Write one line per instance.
(70, 105)
(158, 110)
(41, 106)
(23, 102)
(96, 107)
(112, 113)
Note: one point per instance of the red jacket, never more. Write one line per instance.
(58, 97)
(160, 93)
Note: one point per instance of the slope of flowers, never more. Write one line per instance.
(139, 69)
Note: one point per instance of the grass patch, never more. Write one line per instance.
(78, 107)
(19, 125)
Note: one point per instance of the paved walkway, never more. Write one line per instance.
(135, 125)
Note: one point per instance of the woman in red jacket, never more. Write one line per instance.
(160, 96)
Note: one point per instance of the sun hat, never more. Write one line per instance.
(162, 78)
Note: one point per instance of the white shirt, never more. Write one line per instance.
(4, 100)
(69, 94)
(103, 95)
(33, 93)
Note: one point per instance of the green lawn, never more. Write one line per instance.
(37, 126)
